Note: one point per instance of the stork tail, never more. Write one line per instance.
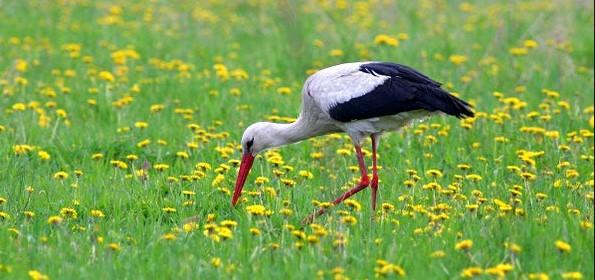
(437, 99)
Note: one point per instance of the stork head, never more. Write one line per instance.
(257, 138)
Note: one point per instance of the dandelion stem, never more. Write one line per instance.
(55, 130)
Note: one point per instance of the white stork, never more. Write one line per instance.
(361, 99)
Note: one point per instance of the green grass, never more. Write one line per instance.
(276, 45)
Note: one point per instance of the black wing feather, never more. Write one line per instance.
(406, 90)
(398, 70)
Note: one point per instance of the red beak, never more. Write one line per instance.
(247, 160)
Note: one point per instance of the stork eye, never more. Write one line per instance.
(249, 144)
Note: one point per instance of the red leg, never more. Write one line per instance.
(374, 184)
(363, 183)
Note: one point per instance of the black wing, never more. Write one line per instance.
(405, 90)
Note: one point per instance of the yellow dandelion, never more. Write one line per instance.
(306, 174)
(114, 247)
(4, 216)
(383, 39)
(349, 220)
(434, 173)
(60, 175)
(286, 212)
(464, 245)
(68, 213)
(336, 53)
(169, 236)
(161, 166)
(54, 220)
(256, 210)
(229, 223)
(106, 76)
(284, 90)
(538, 276)
(572, 275)
(513, 247)
(530, 44)
(169, 210)
(216, 262)
(143, 143)
(518, 51)
(255, 231)
(28, 214)
(141, 125)
(457, 59)
(43, 155)
(225, 233)
(387, 207)
(182, 155)
(471, 272)
(97, 156)
(438, 254)
(36, 275)
(97, 213)
(353, 204)
(563, 246)
(190, 227)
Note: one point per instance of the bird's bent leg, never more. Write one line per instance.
(374, 183)
(364, 182)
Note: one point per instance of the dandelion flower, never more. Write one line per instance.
(336, 53)
(353, 204)
(4, 216)
(169, 236)
(161, 166)
(54, 220)
(114, 247)
(457, 59)
(106, 76)
(572, 275)
(143, 143)
(538, 276)
(471, 272)
(36, 275)
(349, 220)
(43, 155)
(216, 262)
(530, 44)
(225, 233)
(563, 246)
(387, 207)
(257, 210)
(190, 227)
(97, 214)
(438, 254)
(383, 39)
(60, 175)
(513, 247)
(284, 90)
(141, 125)
(464, 245)
(518, 51)
(68, 213)
(434, 173)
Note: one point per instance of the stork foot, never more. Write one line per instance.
(364, 183)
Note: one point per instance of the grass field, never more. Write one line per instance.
(120, 125)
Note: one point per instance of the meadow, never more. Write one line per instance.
(120, 124)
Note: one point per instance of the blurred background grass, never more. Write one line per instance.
(475, 48)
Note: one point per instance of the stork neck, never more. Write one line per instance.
(292, 132)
